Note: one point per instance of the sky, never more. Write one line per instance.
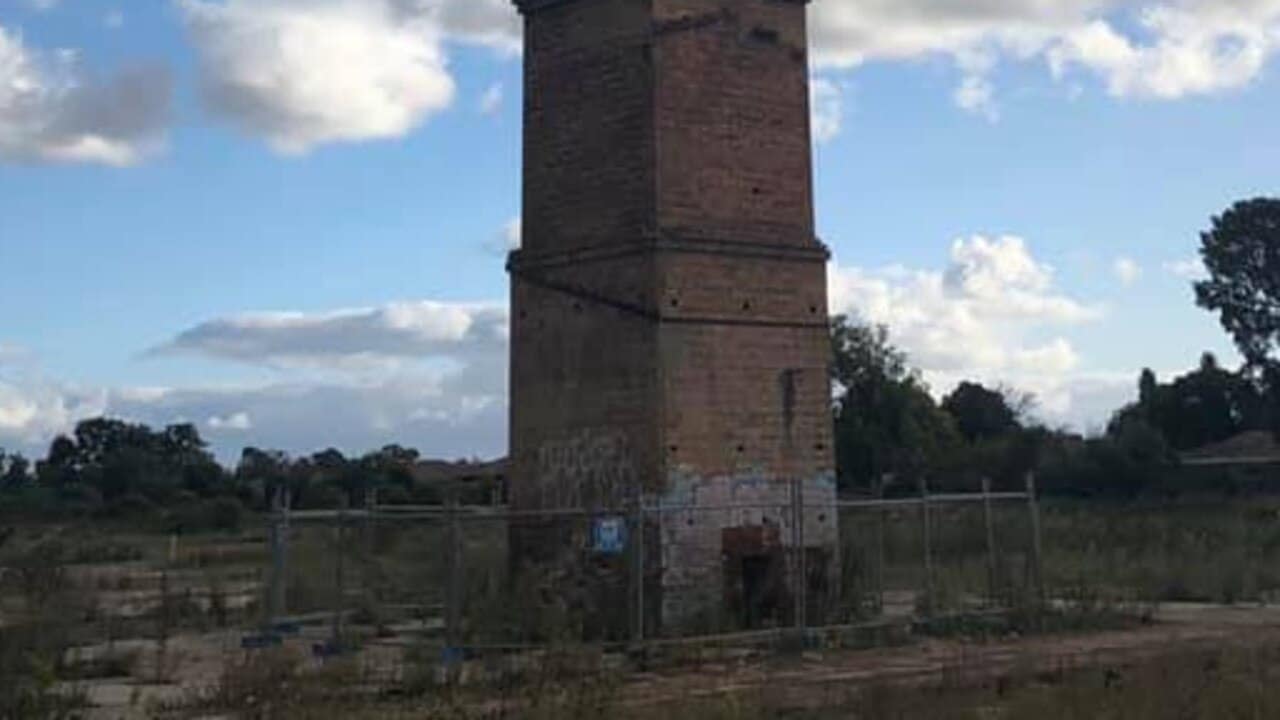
(285, 221)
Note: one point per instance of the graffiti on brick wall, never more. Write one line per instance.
(593, 470)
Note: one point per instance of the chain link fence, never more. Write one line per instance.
(468, 581)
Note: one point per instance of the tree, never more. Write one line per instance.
(981, 413)
(331, 468)
(1131, 460)
(392, 465)
(119, 459)
(1242, 254)
(15, 471)
(1205, 406)
(1271, 397)
(18, 474)
(885, 419)
(1148, 386)
(862, 353)
(59, 468)
(265, 470)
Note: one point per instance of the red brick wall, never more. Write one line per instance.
(751, 391)
(732, 120)
(670, 139)
(584, 385)
(588, 139)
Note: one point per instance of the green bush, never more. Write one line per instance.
(223, 514)
(130, 507)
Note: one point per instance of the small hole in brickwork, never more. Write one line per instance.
(742, 448)
(746, 305)
(524, 315)
(690, 522)
(675, 302)
(822, 518)
(764, 34)
(813, 309)
(577, 307)
(755, 191)
(675, 449)
(820, 447)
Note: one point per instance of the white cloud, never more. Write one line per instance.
(114, 19)
(976, 95)
(491, 100)
(1000, 277)
(1191, 268)
(43, 5)
(50, 113)
(391, 335)
(238, 421)
(423, 373)
(34, 409)
(1057, 357)
(827, 104)
(445, 414)
(1199, 47)
(489, 23)
(1126, 270)
(506, 240)
(512, 233)
(1178, 47)
(303, 73)
(985, 317)
(427, 374)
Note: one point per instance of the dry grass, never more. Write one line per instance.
(1104, 560)
(1191, 685)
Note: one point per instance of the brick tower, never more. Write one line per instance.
(669, 322)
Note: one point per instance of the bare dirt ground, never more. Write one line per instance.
(809, 681)
(825, 679)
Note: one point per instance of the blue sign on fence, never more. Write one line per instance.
(609, 535)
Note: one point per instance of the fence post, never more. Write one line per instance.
(453, 595)
(279, 557)
(165, 628)
(367, 542)
(797, 551)
(881, 523)
(802, 569)
(637, 574)
(339, 579)
(927, 523)
(1037, 547)
(993, 555)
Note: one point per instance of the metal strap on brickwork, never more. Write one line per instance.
(519, 268)
(673, 242)
(581, 293)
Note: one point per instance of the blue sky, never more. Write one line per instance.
(285, 220)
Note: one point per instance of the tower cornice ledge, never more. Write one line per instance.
(530, 6)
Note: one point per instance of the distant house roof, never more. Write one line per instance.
(1250, 448)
